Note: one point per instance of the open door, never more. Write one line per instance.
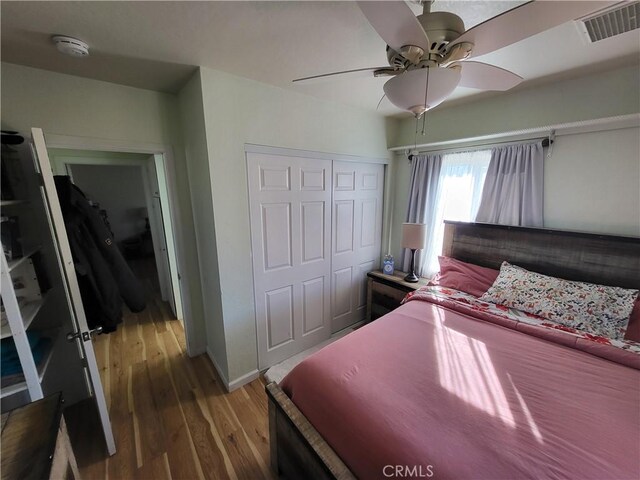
(162, 234)
(80, 331)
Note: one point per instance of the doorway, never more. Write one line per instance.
(130, 192)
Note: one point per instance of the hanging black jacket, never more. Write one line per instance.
(104, 277)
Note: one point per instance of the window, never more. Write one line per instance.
(458, 197)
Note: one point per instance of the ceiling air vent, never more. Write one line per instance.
(609, 23)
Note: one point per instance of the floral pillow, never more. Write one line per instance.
(595, 309)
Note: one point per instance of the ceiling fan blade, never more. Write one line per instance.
(358, 72)
(524, 21)
(486, 77)
(396, 24)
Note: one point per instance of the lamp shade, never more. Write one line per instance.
(414, 235)
(406, 91)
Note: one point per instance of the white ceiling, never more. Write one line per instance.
(157, 44)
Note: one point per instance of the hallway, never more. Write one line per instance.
(170, 414)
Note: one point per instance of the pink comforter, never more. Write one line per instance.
(429, 392)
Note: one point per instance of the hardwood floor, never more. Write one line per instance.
(171, 416)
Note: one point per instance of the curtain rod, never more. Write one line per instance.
(546, 141)
(582, 126)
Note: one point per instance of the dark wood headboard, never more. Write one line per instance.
(586, 257)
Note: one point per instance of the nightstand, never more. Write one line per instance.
(385, 292)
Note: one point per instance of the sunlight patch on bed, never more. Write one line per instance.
(527, 413)
(465, 369)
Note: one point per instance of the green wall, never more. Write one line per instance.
(592, 180)
(197, 155)
(68, 105)
(239, 111)
(606, 94)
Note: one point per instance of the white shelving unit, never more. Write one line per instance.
(8, 203)
(20, 386)
(20, 315)
(29, 312)
(23, 301)
(13, 264)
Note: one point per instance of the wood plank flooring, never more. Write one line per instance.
(171, 416)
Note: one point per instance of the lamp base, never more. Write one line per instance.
(411, 278)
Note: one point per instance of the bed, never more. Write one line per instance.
(448, 386)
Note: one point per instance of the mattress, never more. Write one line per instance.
(431, 391)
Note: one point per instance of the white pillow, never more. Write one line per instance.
(595, 309)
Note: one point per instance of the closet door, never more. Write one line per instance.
(357, 233)
(79, 331)
(290, 212)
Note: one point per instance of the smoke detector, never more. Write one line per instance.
(71, 46)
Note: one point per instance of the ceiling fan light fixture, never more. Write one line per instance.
(407, 91)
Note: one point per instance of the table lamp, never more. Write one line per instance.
(414, 236)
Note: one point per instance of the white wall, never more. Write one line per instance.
(592, 181)
(239, 111)
(68, 105)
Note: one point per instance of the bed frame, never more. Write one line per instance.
(299, 451)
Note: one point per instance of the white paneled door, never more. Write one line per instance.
(290, 212)
(356, 237)
(79, 333)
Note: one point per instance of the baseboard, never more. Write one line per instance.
(222, 376)
(236, 383)
(243, 380)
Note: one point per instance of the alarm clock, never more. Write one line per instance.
(387, 265)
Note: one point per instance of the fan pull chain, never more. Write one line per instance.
(424, 122)
(424, 114)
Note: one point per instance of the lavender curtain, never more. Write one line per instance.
(513, 188)
(423, 190)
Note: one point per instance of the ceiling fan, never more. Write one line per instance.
(429, 54)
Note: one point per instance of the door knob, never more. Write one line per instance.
(86, 336)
